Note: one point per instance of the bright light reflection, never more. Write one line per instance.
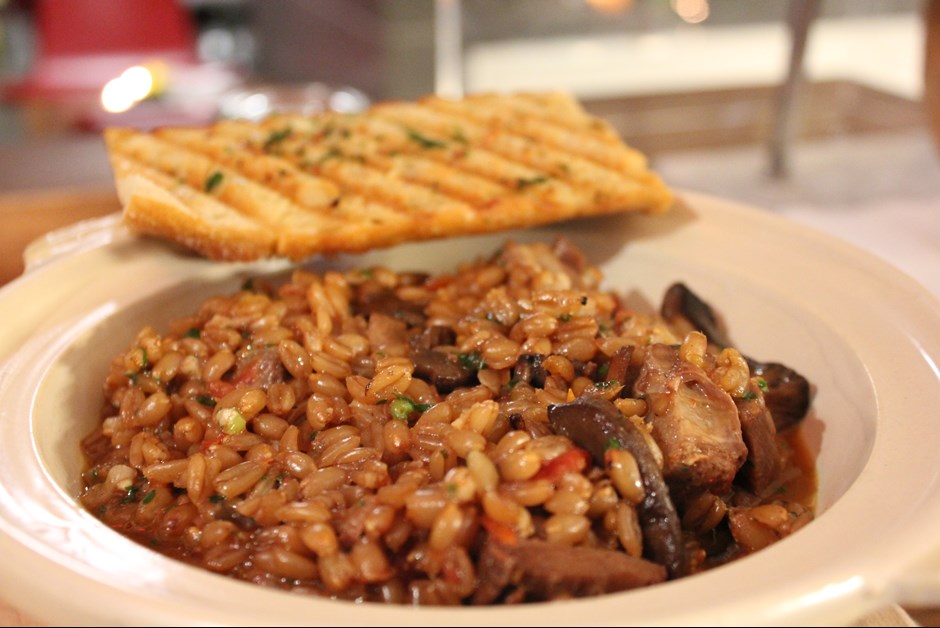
(610, 6)
(123, 92)
(255, 106)
(691, 11)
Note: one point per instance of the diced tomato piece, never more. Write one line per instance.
(499, 531)
(248, 372)
(218, 389)
(574, 460)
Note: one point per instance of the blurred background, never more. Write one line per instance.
(811, 108)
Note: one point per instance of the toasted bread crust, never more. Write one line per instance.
(294, 186)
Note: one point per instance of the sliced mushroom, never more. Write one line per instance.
(596, 424)
(441, 369)
(388, 303)
(788, 393)
(529, 369)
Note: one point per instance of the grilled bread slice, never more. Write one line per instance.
(294, 186)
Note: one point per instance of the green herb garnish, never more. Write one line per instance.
(213, 181)
(523, 182)
(276, 137)
(473, 360)
(206, 400)
(423, 141)
(130, 494)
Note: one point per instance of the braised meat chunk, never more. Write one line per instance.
(694, 421)
(540, 571)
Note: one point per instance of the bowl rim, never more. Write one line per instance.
(41, 526)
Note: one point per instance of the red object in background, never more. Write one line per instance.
(82, 44)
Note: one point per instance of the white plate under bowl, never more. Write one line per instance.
(865, 335)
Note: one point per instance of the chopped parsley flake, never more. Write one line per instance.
(423, 141)
(213, 181)
(473, 360)
(130, 494)
(206, 400)
(275, 137)
(523, 182)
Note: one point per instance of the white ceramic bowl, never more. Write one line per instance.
(866, 335)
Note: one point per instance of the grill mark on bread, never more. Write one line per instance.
(400, 171)
(363, 220)
(587, 138)
(606, 190)
(203, 173)
(281, 174)
(388, 147)
(161, 207)
(338, 174)
(461, 171)
(348, 221)
(491, 181)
